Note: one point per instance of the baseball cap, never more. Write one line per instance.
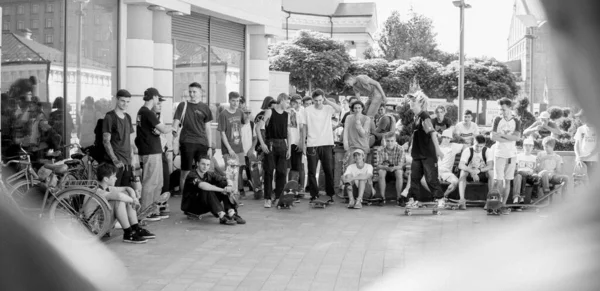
(359, 151)
(545, 114)
(123, 93)
(150, 93)
(528, 141)
(447, 133)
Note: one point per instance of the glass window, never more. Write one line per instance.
(6, 10)
(190, 65)
(21, 9)
(5, 25)
(35, 24)
(20, 25)
(48, 22)
(35, 9)
(226, 73)
(49, 38)
(49, 7)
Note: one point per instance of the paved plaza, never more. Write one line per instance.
(299, 249)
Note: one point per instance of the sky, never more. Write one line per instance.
(486, 24)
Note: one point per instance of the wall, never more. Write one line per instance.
(311, 6)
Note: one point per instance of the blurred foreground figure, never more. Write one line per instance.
(556, 253)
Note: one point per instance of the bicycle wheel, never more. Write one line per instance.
(81, 214)
(28, 195)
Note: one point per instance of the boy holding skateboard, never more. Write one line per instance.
(230, 126)
(358, 176)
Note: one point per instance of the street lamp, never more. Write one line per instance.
(80, 15)
(461, 79)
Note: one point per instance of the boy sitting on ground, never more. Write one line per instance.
(549, 165)
(122, 200)
(206, 191)
(476, 164)
(358, 176)
(526, 162)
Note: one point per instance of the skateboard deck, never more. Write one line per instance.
(256, 175)
(192, 216)
(291, 187)
(286, 201)
(318, 204)
(377, 201)
(142, 213)
(452, 204)
(542, 202)
(423, 206)
(493, 203)
(231, 172)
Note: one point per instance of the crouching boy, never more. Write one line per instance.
(123, 201)
(357, 176)
(550, 165)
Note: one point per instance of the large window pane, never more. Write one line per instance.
(190, 62)
(226, 75)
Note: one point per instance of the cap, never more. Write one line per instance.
(358, 151)
(447, 133)
(528, 141)
(545, 114)
(160, 99)
(150, 93)
(123, 93)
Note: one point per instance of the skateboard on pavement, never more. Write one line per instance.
(142, 213)
(318, 204)
(453, 204)
(256, 175)
(286, 201)
(542, 202)
(423, 206)
(493, 203)
(374, 201)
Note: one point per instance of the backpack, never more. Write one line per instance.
(483, 151)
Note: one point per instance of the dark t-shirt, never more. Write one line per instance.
(423, 147)
(440, 126)
(120, 130)
(231, 124)
(146, 141)
(193, 126)
(276, 126)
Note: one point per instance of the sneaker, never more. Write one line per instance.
(441, 203)
(192, 216)
(133, 238)
(227, 220)
(144, 233)
(242, 194)
(163, 215)
(330, 201)
(402, 201)
(412, 203)
(462, 205)
(297, 199)
(268, 203)
(505, 211)
(238, 219)
(516, 199)
(351, 203)
(152, 217)
(358, 205)
(313, 198)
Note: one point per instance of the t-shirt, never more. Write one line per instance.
(545, 132)
(355, 140)
(468, 134)
(193, 126)
(120, 130)
(318, 123)
(477, 161)
(295, 122)
(506, 149)
(147, 141)
(442, 125)
(362, 86)
(548, 162)
(247, 134)
(231, 125)
(446, 164)
(423, 147)
(526, 163)
(587, 140)
(354, 171)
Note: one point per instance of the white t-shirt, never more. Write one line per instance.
(587, 140)
(477, 161)
(354, 171)
(468, 134)
(446, 164)
(506, 149)
(295, 122)
(318, 123)
(526, 163)
(247, 134)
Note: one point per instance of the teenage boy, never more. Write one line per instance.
(350, 111)
(363, 85)
(230, 125)
(586, 150)
(123, 201)
(466, 129)
(295, 124)
(476, 164)
(358, 176)
(425, 152)
(385, 124)
(164, 207)
(319, 142)
(543, 127)
(506, 131)
(276, 147)
(441, 122)
(356, 132)
(549, 165)
(195, 138)
(117, 131)
(526, 165)
(307, 101)
(150, 151)
(206, 191)
(391, 161)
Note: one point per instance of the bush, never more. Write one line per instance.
(564, 123)
(452, 113)
(555, 112)
(521, 108)
(566, 111)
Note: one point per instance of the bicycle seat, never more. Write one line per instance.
(57, 168)
(77, 156)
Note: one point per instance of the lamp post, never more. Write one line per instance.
(80, 15)
(461, 79)
(531, 37)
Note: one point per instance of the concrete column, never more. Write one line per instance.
(163, 61)
(140, 55)
(258, 67)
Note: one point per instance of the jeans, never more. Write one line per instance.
(152, 178)
(313, 156)
(275, 160)
(212, 202)
(428, 168)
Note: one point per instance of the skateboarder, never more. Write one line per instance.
(466, 129)
(206, 191)
(391, 163)
(476, 164)
(358, 176)
(363, 85)
(230, 125)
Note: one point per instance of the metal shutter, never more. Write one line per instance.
(228, 35)
(191, 27)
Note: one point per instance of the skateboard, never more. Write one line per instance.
(256, 175)
(231, 173)
(291, 188)
(318, 204)
(374, 201)
(142, 213)
(542, 202)
(452, 204)
(286, 201)
(493, 203)
(192, 216)
(427, 206)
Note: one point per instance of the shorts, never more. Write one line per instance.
(124, 176)
(504, 168)
(483, 178)
(447, 177)
(190, 153)
(390, 176)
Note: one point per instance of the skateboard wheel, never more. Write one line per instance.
(409, 213)
(537, 210)
(439, 213)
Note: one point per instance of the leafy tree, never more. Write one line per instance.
(522, 110)
(413, 37)
(313, 60)
(426, 72)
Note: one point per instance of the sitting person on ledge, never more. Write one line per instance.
(476, 165)
(357, 178)
(526, 162)
(390, 167)
(549, 165)
(206, 191)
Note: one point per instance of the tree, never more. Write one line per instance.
(413, 37)
(313, 60)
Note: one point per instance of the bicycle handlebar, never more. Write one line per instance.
(15, 162)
